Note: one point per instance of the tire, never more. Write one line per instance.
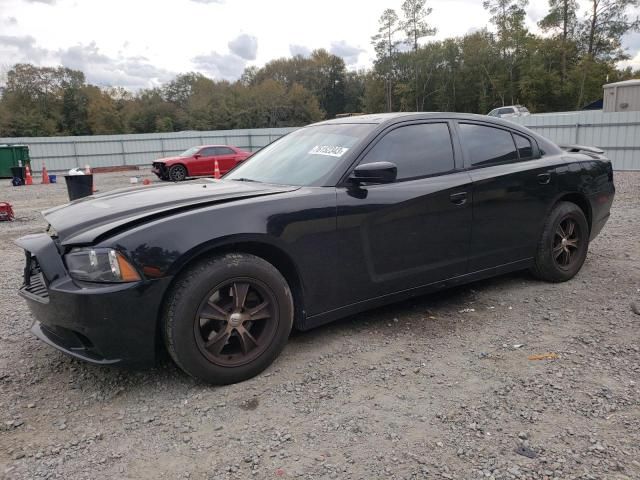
(177, 173)
(558, 260)
(205, 330)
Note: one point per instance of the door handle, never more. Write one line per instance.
(459, 198)
(544, 178)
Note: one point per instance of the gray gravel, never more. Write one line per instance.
(438, 387)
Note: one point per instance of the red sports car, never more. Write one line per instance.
(199, 162)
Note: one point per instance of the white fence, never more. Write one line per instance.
(63, 153)
(616, 133)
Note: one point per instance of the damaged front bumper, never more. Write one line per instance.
(98, 323)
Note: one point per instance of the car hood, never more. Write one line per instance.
(84, 220)
(171, 159)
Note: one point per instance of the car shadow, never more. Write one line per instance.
(166, 375)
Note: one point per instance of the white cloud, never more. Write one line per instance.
(244, 46)
(220, 66)
(21, 49)
(299, 50)
(100, 69)
(348, 52)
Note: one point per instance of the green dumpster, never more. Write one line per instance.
(13, 156)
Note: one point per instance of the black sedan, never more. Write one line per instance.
(330, 220)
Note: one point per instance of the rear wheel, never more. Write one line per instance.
(227, 318)
(563, 245)
(177, 173)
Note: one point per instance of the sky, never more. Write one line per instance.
(144, 43)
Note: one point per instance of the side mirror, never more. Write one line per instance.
(377, 172)
(197, 155)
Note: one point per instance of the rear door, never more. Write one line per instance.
(226, 158)
(413, 232)
(513, 187)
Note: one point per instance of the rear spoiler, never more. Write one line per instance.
(581, 148)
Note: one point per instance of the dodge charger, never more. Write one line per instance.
(330, 220)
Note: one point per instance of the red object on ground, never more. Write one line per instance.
(6, 212)
(29, 179)
(200, 161)
(216, 170)
(45, 175)
(146, 181)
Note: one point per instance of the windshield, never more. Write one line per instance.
(189, 153)
(304, 157)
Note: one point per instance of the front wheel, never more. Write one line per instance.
(227, 318)
(563, 245)
(177, 173)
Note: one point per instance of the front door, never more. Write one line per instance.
(203, 164)
(412, 232)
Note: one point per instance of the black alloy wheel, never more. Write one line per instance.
(227, 317)
(177, 173)
(566, 243)
(236, 321)
(563, 244)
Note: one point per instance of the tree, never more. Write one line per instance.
(562, 19)
(508, 17)
(386, 45)
(602, 31)
(415, 27)
(414, 23)
(103, 113)
(608, 21)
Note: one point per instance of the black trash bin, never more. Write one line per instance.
(79, 186)
(19, 172)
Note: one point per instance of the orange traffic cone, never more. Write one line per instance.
(29, 179)
(216, 169)
(45, 175)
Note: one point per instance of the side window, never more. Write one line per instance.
(525, 150)
(224, 151)
(417, 150)
(487, 145)
(208, 152)
(505, 111)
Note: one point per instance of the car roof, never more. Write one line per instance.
(217, 145)
(384, 120)
(390, 118)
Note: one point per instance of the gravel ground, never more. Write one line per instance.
(438, 387)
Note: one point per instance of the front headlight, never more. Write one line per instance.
(100, 265)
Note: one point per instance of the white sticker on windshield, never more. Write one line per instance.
(328, 150)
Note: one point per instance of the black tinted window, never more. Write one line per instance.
(525, 150)
(487, 145)
(224, 151)
(208, 152)
(417, 150)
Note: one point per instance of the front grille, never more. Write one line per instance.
(35, 284)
